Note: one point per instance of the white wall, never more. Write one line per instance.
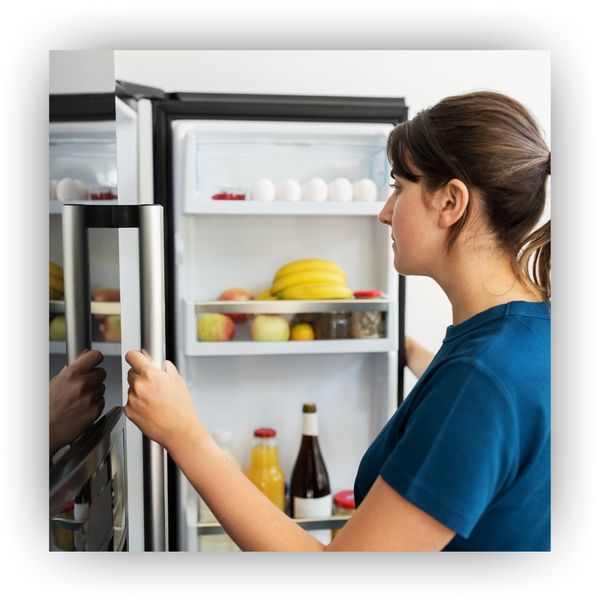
(81, 71)
(421, 77)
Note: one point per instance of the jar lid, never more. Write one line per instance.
(265, 432)
(344, 499)
(368, 294)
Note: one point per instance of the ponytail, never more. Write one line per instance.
(534, 262)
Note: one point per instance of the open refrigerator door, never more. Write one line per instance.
(249, 198)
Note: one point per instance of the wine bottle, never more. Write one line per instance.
(309, 486)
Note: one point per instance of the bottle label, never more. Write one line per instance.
(310, 424)
(315, 507)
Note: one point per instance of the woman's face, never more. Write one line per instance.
(416, 237)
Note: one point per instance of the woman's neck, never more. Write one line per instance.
(477, 280)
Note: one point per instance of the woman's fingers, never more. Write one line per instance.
(137, 360)
(87, 361)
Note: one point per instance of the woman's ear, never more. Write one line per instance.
(451, 202)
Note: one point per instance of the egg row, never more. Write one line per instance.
(316, 190)
(68, 189)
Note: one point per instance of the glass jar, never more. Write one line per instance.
(333, 326)
(343, 505)
(368, 324)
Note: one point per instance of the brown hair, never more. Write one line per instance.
(494, 145)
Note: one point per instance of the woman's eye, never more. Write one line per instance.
(395, 189)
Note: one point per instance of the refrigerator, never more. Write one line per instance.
(195, 160)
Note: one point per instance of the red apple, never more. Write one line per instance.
(235, 295)
(106, 295)
(215, 327)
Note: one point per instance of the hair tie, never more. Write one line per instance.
(548, 169)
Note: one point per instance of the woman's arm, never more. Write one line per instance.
(161, 406)
(417, 357)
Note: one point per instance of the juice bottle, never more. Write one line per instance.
(264, 470)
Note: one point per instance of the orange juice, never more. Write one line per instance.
(264, 470)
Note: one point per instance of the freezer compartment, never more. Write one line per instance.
(85, 153)
(224, 161)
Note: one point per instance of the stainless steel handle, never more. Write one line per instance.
(152, 299)
(148, 218)
(76, 269)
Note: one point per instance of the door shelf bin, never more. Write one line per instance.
(308, 524)
(199, 206)
(243, 345)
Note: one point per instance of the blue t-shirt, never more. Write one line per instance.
(470, 445)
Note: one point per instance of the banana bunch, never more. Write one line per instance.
(309, 279)
(55, 280)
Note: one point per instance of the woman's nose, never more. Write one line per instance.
(385, 214)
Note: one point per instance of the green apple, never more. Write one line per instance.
(111, 328)
(269, 328)
(58, 329)
(215, 327)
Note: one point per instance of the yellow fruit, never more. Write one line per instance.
(56, 284)
(309, 264)
(306, 277)
(56, 270)
(316, 291)
(302, 332)
(265, 295)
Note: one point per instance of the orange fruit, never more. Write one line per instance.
(302, 332)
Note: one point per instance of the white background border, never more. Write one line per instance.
(28, 33)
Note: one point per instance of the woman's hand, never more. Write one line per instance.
(76, 398)
(159, 402)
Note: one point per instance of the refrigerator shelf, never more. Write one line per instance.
(248, 207)
(97, 308)
(307, 524)
(351, 346)
(243, 345)
(107, 348)
(291, 306)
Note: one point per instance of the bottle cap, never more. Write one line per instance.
(368, 294)
(265, 432)
(344, 499)
(309, 408)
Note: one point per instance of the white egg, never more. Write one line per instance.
(289, 190)
(83, 189)
(52, 190)
(365, 190)
(340, 190)
(263, 190)
(315, 189)
(67, 189)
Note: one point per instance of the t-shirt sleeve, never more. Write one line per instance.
(459, 447)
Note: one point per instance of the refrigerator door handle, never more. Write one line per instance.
(148, 218)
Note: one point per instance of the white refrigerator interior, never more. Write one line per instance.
(241, 384)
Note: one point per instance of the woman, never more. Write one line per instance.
(464, 463)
